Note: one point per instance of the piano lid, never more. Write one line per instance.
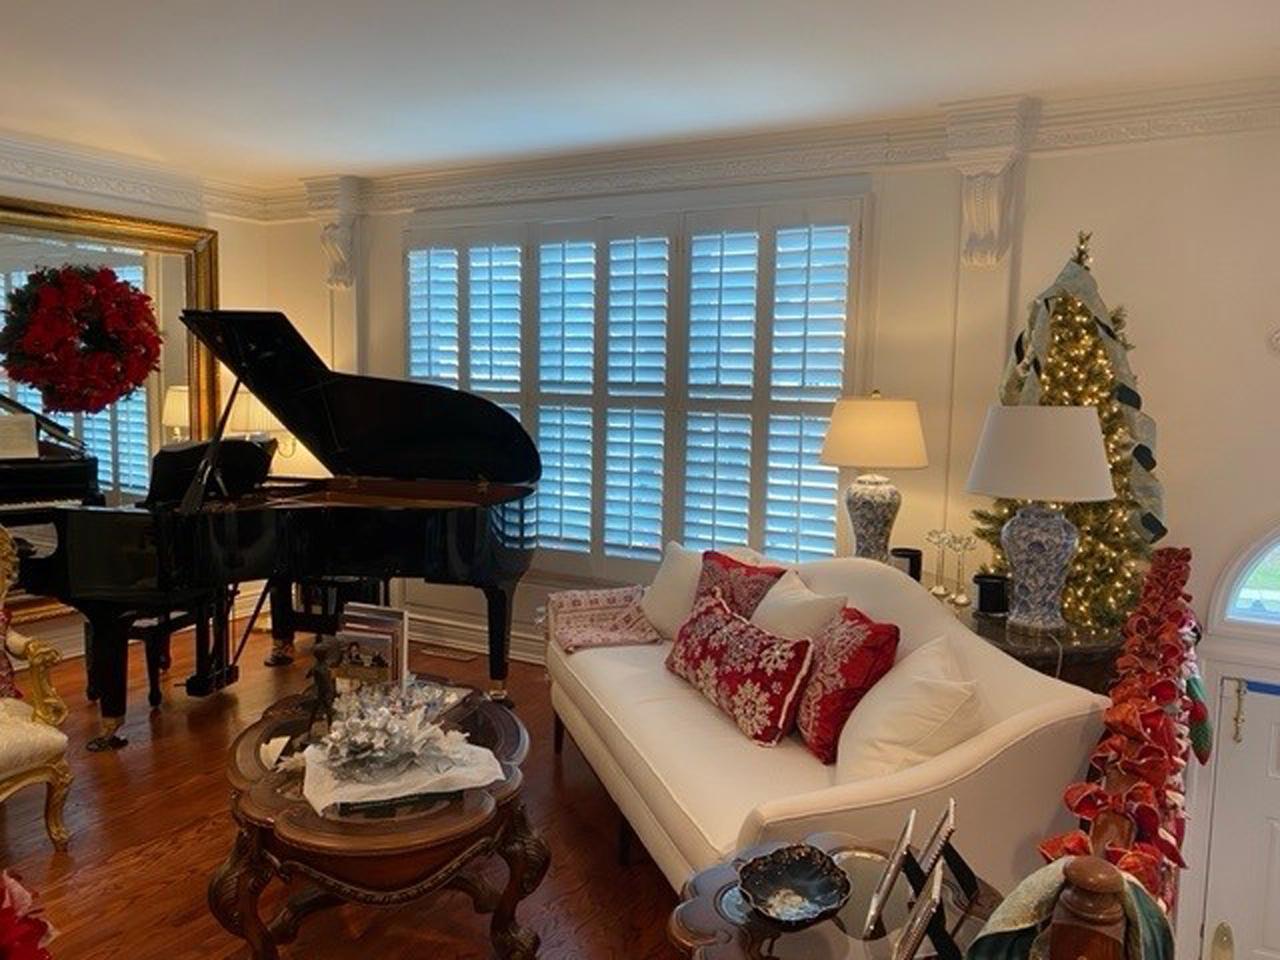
(367, 426)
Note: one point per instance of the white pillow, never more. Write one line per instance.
(668, 601)
(919, 709)
(790, 609)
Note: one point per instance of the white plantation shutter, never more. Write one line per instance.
(717, 493)
(95, 431)
(800, 493)
(494, 327)
(633, 483)
(564, 493)
(722, 314)
(566, 316)
(639, 276)
(433, 315)
(677, 370)
(810, 301)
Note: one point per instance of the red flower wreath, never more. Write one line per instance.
(81, 336)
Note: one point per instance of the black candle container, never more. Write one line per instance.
(993, 593)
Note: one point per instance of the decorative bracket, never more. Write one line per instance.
(986, 140)
(338, 202)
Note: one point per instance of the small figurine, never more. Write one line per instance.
(323, 683)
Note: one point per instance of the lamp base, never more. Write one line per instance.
(1039, 543)
(872, 502)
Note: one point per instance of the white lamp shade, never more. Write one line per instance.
(176, 411)
(875, 432)
(1054, 454)
(249, 416)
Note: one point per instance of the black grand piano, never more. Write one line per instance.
(428, 482)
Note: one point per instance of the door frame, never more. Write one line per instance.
(1222, 656)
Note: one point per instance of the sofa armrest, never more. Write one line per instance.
(1007, 783)
(46, 705)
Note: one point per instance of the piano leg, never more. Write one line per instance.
(90, 691)
(108, 656)
(280, 593)
(500, 597)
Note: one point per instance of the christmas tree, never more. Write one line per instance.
(1073, 352)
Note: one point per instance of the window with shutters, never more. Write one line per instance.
(676, 372)
(119, 436)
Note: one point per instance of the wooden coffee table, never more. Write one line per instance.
(385, 857)
(713, 922)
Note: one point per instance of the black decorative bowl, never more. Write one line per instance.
(795, 886)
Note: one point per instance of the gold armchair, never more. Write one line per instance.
(32, 748)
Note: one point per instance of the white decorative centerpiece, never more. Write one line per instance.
(385, 744)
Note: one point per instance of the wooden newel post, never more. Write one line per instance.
(1089, 922)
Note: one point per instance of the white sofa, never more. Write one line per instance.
(694, 789)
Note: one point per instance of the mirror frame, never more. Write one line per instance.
(198, 246)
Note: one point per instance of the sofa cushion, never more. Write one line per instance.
(743, 584)
(697, 773)
(669, 598)
(849, 656)
(750, 674)
(792, 610)
(923, 707)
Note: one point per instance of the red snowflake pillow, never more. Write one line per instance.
(743, 585)
(750, 674)
(850, 655)
(8, 685)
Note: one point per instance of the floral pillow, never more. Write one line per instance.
(743, 585)
(750, 674)
(8, 685)
(850, 655)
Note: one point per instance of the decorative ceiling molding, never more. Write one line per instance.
(986, 141)
(60, 166)
(956, 131)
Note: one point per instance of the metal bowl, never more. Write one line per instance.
(794, 886)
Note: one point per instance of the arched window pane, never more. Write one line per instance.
(1256, 597)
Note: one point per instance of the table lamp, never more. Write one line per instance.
(175, 412)
(874, 432)
(1048, 455)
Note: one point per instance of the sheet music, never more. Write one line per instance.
(18, 437)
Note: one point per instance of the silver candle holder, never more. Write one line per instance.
(961, 545)
(939, 539)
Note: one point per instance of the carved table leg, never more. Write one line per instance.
(527, 859)
(233, 896)
(284, 928)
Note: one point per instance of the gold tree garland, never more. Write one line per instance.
(1075, 365)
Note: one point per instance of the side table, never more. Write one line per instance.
(386, 856)
(1084, 657)
(713, 922)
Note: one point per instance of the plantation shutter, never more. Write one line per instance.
(566, 316)
(717, 494)
(433, 315)
(810, 305)
(723, 272)
(564, 493)
(800, 493)
(494, 327)
(639, 278)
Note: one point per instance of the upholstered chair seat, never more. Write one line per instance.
(33, 751)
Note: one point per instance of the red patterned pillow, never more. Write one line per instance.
(8, 685)
(850, 655)
(747, 672)
(743, 585)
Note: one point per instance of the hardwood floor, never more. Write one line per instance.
(150, 823)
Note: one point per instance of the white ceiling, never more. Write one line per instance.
(265, 91)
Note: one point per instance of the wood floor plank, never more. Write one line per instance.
(150, 823)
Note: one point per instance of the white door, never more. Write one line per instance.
(1244, 853)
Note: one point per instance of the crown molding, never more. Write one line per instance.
(973, 135)
(65, 167)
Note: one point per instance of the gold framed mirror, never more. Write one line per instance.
(177, 265)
